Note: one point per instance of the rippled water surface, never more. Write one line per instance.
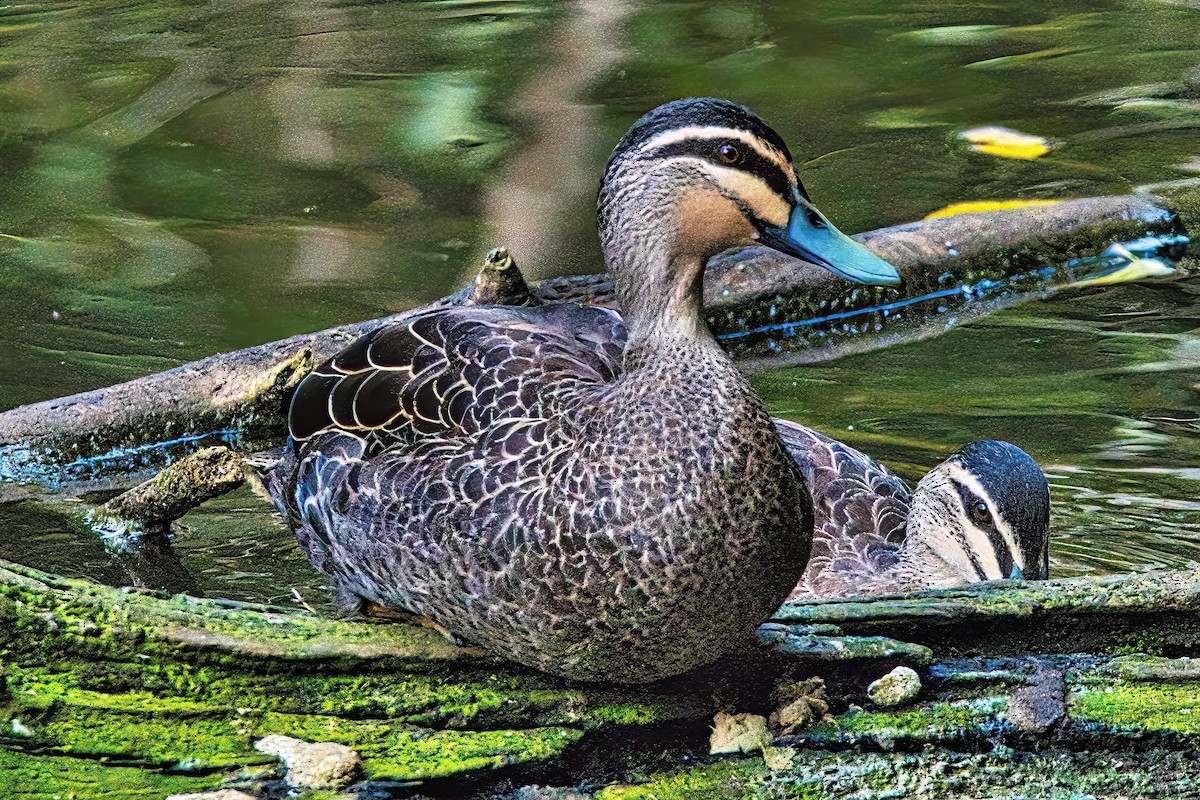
(179, 179)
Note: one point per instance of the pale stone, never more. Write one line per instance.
(320, 765)
(896, 688)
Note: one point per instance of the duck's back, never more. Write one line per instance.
(491, 469)
(860, 515)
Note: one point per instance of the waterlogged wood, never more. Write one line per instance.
(240, 397)
(93, 672)
(176, 490)
(115, 686)
(1152, 611)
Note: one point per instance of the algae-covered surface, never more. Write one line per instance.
(107, 690)
(173, 690)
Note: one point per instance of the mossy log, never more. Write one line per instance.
(1149, 612)
(181, 687)
(117, 693)
(772, 310)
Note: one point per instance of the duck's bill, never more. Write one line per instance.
(810, 236)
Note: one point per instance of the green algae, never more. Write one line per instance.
(930, 722)
(723, 780)
(46, 777)
(1140, 707)
(54, 614)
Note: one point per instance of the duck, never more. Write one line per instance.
(599, 496)
(983, 514)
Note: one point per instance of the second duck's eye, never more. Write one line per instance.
(980, 513)
(728, 153)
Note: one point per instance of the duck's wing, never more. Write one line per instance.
(860, 510)
(455, 371)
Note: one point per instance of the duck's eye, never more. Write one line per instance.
(729, 154)
(980, 513)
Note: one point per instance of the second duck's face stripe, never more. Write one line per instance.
(993, 542)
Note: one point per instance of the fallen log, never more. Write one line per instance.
(1148, 612)
(148, 695)
(770, 309)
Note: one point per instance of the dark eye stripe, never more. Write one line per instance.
(751, 161)
(999, 546)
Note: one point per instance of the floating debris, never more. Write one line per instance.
(975, 206)
(1006, 143)
(738, 733)
(1148, 257)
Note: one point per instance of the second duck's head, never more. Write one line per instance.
(982, 514)
(693, 178)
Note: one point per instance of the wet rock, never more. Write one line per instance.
(896, 688)
(738, 733)
(320, 765)
(221, 794)
(535, 792)
(1040, 706)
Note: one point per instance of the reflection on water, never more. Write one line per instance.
(185, 178)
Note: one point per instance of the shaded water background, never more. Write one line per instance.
(183, 178)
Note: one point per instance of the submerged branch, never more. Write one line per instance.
(769, 309)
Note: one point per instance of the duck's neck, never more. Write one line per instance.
(658, 281)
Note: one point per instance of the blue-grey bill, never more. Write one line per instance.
(810, 236)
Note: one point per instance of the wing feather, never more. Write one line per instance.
(455, 371)
(860, 507)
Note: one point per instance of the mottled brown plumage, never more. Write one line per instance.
(531, 482)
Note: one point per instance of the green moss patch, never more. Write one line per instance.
(724, 780)
(1141, 707)
(931, 722)
(26, 777)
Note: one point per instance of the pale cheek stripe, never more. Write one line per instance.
(716, 132)
(752, 190)
(971, 482)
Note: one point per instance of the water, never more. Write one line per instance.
(183, 178)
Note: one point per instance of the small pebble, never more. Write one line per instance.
(323, 765)
(896, 688)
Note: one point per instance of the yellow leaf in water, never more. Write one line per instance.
(971, 206)
(1005, 142)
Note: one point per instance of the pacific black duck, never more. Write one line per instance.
(519, 479)
(982, 514)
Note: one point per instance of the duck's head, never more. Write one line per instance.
(693, 178)
(983, 514)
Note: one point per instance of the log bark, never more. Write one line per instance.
(130, 689)
(983, 262)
